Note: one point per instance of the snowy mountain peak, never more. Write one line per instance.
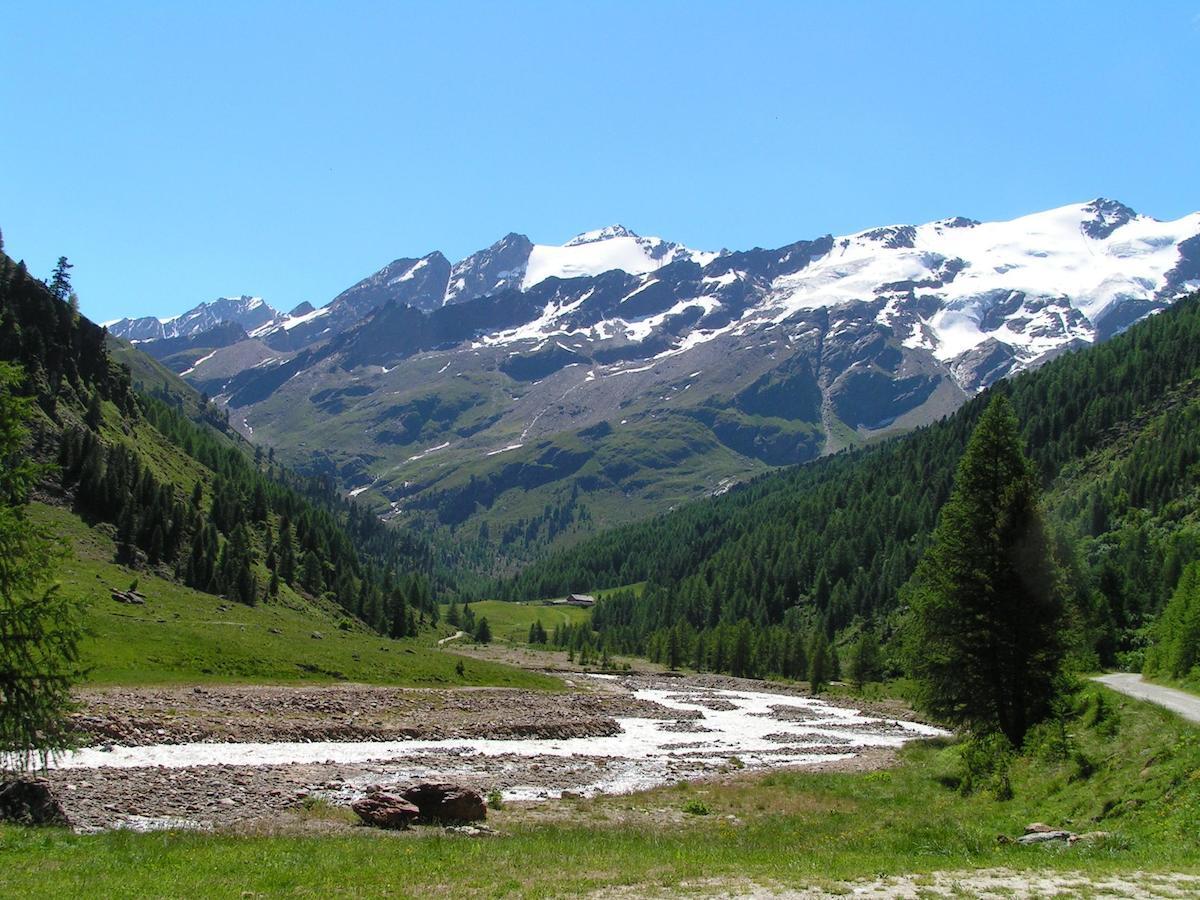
(500, 267)
(604, 250)
(249, 312)
(601, 234)
(972, 300)
(1105, 217)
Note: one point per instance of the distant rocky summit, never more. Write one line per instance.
(627, 374)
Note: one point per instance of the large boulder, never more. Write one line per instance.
(441, 802)
(30, 801)
(385, 810)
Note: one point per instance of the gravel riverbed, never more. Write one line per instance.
(214, 757)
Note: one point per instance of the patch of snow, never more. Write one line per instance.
(289, 324)
(724, 279)
(198, 363)
(630, 371)
(504, 449)
(410, 273)
(425, 453)
(603, 250)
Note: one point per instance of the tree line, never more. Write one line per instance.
(233, 522)
(1111, 432)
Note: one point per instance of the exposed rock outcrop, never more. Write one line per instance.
(443, 802)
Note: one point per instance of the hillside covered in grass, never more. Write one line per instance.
(184, 636)
(250, 571)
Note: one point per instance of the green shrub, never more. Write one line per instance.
(985, 761)
(1082, 766)
(695, 807)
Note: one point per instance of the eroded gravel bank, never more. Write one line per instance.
(215, 757)
(135, 717)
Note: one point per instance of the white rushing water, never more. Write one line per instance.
(760, 729)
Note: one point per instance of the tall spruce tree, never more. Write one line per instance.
(40, 628)
(865, 658)
(60, 279)
(818, 662)
(985, 602)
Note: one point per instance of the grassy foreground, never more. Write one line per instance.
(185, 636)
(1127, 768)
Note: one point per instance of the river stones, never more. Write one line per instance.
(385, 810)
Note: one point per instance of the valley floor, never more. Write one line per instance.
(216, 756)
(870, 814)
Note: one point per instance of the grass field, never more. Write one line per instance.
(184, 636)
(1129, 769)
(511, 621)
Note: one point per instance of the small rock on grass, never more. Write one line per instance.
(1042, 837)
(471, 830)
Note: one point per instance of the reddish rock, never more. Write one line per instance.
(385, 810)
(442, 802)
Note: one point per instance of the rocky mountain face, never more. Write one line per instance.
(536, 391)
(248, 312)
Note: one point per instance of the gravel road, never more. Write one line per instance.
(1181, 702)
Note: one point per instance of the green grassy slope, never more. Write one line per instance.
(183, 636)
(511, 621)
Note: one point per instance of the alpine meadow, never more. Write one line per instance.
(375, 520)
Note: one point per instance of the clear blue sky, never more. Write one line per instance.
(180, 151)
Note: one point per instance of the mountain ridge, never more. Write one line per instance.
(693, 371)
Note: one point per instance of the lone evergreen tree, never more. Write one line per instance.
(985, 601)
(818, 662)
(60, 280)
(40, 629)
(483, 631)
(865, 659)
(399, 627)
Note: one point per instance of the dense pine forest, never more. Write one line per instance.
(186, 496)
(752, 582)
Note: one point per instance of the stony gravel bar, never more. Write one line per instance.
(216, 757)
